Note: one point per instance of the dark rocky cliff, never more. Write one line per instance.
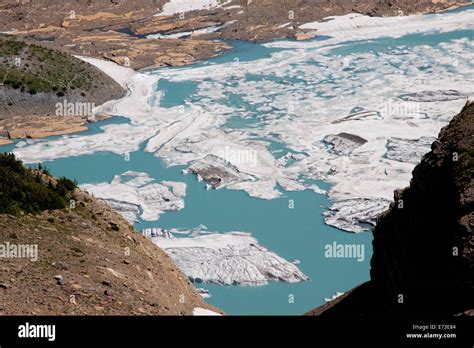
(423, 245)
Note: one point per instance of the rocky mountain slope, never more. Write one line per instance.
(423, 245)
(33, 74)
(183, 31)
(88, 259)
(34, 79)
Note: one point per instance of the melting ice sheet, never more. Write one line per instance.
(356, 111)
(382, 91)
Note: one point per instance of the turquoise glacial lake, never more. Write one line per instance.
(294, 234)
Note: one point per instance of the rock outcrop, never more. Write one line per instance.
(423, 245)
(159, 33)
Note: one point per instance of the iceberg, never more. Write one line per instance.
(348, 215)
(134, 193)
(232, 258)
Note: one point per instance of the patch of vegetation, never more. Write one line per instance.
(11, 47)
(25, 190)
(35, 69)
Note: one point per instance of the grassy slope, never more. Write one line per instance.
(33, 79)
(33, 69)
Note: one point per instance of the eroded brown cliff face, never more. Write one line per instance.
(423, 245)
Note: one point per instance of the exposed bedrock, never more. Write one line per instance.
(343, 143)
(218, 172)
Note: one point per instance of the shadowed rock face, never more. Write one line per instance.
(423, 245)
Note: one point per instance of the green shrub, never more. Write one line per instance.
(42, 70)
(22, 189)
(64, 185)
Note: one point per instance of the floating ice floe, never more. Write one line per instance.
(233, 258)
(204, 293)
(290, 157)
(133, 193)
(201, 311)
(407, 150)
(333, 297)
(348, 215)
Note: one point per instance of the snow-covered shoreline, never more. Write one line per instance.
(355, 26)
